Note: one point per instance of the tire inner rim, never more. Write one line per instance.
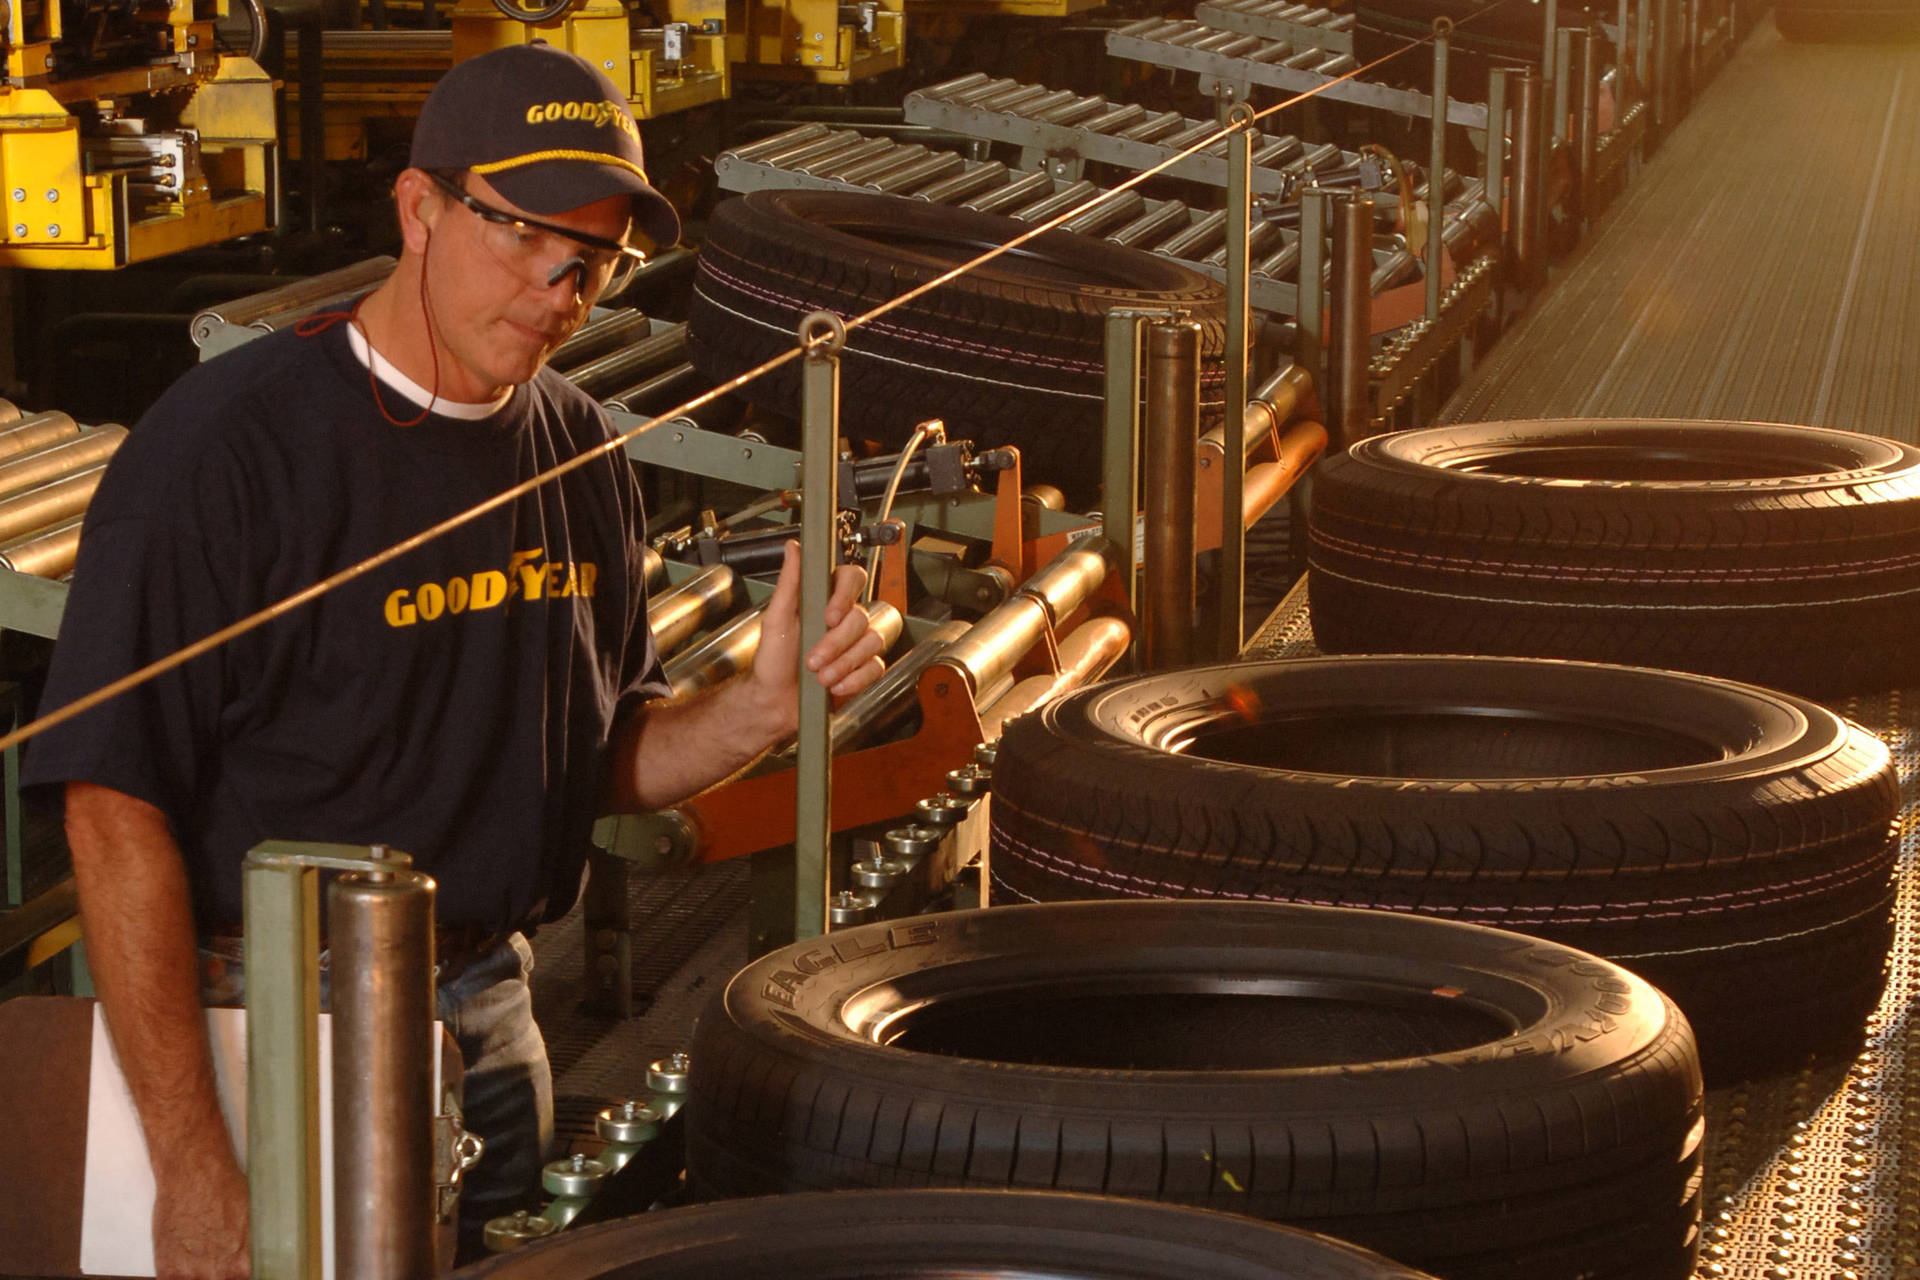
(1157, 1022)
(1628, 460)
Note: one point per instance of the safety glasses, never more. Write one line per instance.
(543, 254)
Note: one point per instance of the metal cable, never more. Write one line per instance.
(252, 622)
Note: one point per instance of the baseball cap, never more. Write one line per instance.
(546, 129)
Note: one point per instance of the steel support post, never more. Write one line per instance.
(1316, 218)
(822, 335)
(1172, 426)
(1437, 165)
(281, 922)
(380, 935)
(1550, 64)
(1496, 153)
(1230, 582)
(1586, 122)
(1523, 222)
(281, 912)
(1120, 455)
(1352, 319)
(1643, 37)
(1662, 66)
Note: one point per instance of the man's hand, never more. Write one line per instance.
(666, 751)
(200, 1222)
(846, 660)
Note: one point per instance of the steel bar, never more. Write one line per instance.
(1351, 318)
(281, 911)
(48, 553)
(36, 431)
(1120, 451)
(822, 335)
(1437, 166)
(1316, 217)
(59, 461)
(270, 310)
(1643, 19)
(1523, 222)
(676, 616)
(380, 936)
(962, 185)
(846, 157)
(1230, 582)
(9, 412)
(310, 67)
(1170, 428)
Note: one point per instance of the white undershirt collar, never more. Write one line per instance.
(385, 370)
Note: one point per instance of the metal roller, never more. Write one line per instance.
(676, 616)
(277, 308)
(606, 334)
(1022, 189)
(36, 431)
(49, 553)
(730, 650)
(1085, 655)
(1066, 582)
(380, 933)
(676, 383)
(653, 565)
(889, 699)
(766, 148)
(48, 505)
(1270, 406)
(58, 461)
(619, 368)
(9, 412)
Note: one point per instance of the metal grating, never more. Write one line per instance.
(1761, 267)
(1811, 1175)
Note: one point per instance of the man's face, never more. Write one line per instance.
(496, 325)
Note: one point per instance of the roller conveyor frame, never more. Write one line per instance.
(764, 166)
(1064, 136)
(1229, 58)
(1301, 25)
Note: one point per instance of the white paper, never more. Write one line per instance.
(116, 1220)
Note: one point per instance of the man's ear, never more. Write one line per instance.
(419, 204)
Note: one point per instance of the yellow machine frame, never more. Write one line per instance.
(64, 209)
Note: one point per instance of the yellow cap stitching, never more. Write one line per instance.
(535, 157)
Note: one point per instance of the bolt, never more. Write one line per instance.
(579, 1162)
(663, 845)
(193, 42)
(20, 230)
(819, 35)
(630, 1110)
(520, 1217)
(608, 64)
(19, 193)
(677, 1062)
(818, 58)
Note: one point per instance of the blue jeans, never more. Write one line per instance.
(508, 1089)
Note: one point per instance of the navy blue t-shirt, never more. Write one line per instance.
(454, 704)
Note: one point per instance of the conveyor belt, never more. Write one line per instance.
(1761, 267)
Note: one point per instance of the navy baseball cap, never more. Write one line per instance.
(546, 129)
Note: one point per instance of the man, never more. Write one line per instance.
(473, 703)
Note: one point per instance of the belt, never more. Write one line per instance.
(456, 947)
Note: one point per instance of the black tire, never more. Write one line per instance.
(897, 1235)
(1721, 840)
(1470, 1102)
(1785, 556)
(1012, 353)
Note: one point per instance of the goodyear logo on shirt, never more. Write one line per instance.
(594, 113)
(528, 576)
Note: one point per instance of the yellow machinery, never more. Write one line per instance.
(125, 135)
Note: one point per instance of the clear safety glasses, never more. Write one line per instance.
(542, 254)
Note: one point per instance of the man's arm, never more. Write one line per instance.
(138, 925)
(667, 751)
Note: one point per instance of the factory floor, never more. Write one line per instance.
(1761, 266)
